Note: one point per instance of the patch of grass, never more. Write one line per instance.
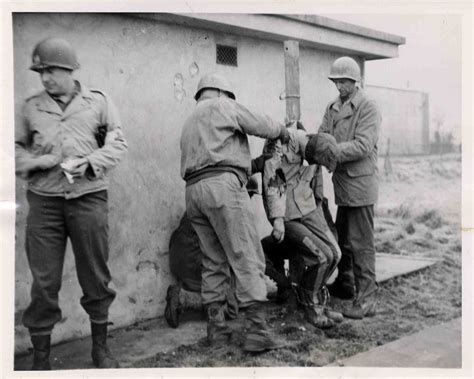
(431, 218)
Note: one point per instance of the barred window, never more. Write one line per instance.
(226, 55)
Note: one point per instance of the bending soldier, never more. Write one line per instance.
(215, 163)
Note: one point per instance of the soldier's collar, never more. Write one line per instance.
(66, 99)
(355, 100)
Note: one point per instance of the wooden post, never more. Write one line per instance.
(292, 80)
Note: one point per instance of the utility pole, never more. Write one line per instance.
(292, 80)
(274, 181)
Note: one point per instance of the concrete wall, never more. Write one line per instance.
(405, 120)
(151, 70)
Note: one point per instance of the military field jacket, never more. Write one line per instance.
(291, 195)
(355, 125)
(46, 129)
(215, 134)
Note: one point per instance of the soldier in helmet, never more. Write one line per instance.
(354, 122)
(68, 140)
(215, 163)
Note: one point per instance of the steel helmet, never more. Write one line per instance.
(54, 52)
(345, 68)
(252, 186)
(214, 81)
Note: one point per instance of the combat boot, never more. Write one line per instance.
(259, 336)
(313, 313)
(218, 331)
(41, 350)
(359, 310)
(362, 306)
(173, 307)
(324, 297)
(101, 355)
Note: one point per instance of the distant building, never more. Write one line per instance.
(150, 64)
(405, 120)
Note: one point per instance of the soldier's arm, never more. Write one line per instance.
(25, 161)
(115, 145)
(365, 138)
(258, 125)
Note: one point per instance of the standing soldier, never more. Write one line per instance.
(216, 164)
(354, 121)
(69, 138)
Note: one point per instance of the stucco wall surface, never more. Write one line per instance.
(151, 70)
(405, 121)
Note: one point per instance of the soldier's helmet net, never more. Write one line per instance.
(54, 52)
(345, 68)
(214, 81)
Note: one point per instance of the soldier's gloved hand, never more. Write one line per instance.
(47, 161)
(278, 232)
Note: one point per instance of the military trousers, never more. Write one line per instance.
(220, 211)
(355, 228)
(50, 221)
(308, 242)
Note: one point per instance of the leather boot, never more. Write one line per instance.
(41, 350)
(259, 337)
(173, 307)
(313, 313)
(359, 310)
(218, 331)
(324, 297)
(101, 355)
(362, 306)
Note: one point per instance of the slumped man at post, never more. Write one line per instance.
(66, 143)
(215, 163)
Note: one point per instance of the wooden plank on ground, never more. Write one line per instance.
(388, 266)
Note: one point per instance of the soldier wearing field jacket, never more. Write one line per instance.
(68, 140)
(216, 164)
(354, 122)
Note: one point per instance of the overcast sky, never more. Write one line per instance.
(430, 61)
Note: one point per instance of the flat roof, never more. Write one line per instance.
(311, 31)
(345, 27)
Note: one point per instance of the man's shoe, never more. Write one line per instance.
(341, 291)
(173, 307)
(101, 355)
(41, 350)
(360, 310)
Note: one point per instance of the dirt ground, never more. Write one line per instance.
(418, 214)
